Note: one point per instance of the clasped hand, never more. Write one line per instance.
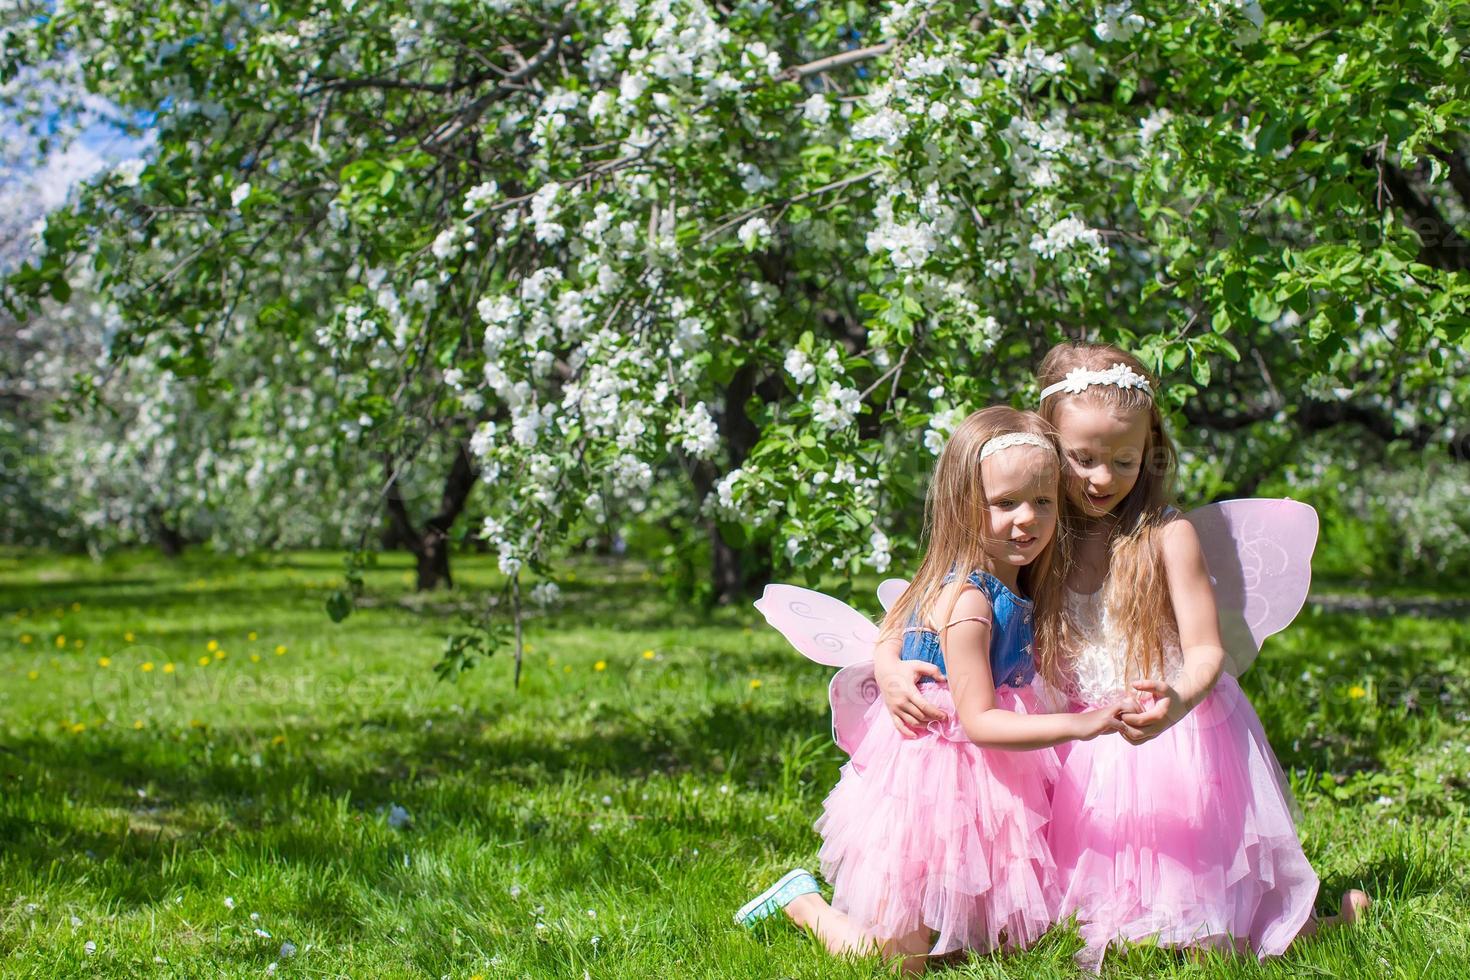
(1138, 719)
(1160, 706)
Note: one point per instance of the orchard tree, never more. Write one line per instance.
(753, 262)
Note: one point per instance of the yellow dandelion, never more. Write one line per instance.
(168, 668)
(212, 645)
(25, 638)
(146, 667)
(755, 682)
(78, 643)
(78, 728)
(255, 658)
(204, 661)
(128, 637)
(528, 648)
(278, 740)
(567, 669)
(60, 640)
(280, 650)
(76, 607)
(137, 723)
(32, 674)
(252, 636)
(571, 576)
(220, 654)
(648, 654)
(1357, 691)
(600, 665)
(104, 661)
(195, 723)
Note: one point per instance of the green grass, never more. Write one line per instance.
(600, 823)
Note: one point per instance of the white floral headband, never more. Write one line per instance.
(1080, 379)
(1009, 439)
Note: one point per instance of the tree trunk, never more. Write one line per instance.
(170, 542)
(432, 555)
(430, 544)
(735, 573)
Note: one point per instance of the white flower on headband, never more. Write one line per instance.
(1080, 379)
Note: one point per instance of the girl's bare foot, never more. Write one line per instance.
(1354, 906)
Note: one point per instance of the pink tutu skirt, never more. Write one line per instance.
(1188, 839)
(934, 832)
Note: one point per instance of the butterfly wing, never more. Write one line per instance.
(889, 591)
(821, 628)
(1259, 554)
(852, 692)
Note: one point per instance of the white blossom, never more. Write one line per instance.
(754, 234)
(817, 109)
(837, 407)
(941, 425)
(128, 172)
(697, 432)
(1118, 22)
(880, 556)
(799, 367)
(481, 195)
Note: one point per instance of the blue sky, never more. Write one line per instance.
(32, 185)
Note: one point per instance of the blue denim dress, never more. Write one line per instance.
(1011, 641)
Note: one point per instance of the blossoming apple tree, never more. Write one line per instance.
(742, 267)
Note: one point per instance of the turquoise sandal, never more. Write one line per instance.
(793, 885)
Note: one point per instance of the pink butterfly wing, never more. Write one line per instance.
(1259, 554)
(852, 692)
(889, 591)
(821, 628)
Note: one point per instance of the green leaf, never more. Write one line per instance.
(339, 606)
(735, 535)
(1264, 306)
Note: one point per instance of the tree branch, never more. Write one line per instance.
(506, 87)
(1441, 245)
(831, 62)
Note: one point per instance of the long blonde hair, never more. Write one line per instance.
(1136, 593)
(954, 528)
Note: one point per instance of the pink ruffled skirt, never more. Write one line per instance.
(936, 832)
(1188, 838)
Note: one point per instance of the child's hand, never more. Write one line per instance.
(899, 684)
(1100, 721)
(1167, 708)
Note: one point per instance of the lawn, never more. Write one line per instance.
(200, 768)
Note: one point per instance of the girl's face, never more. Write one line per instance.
(1021, 515)
(1103, 451)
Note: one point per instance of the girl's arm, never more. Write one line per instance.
(1193, 599)
(966, 647)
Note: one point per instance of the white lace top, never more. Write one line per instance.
(1097, 669)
